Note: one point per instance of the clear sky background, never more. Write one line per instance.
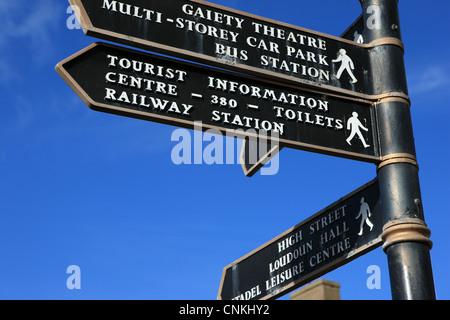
(79, 187)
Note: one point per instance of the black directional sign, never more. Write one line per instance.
(331, 238)
(140, 85)
(220, 36)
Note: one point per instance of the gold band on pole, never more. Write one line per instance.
(398, 158)
(393, 97)
(405, 230)
(387, 41)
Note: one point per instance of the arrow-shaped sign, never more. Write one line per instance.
(338, 234)
(215, 35)
(140, 85)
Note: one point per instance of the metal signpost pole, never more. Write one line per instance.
(405, 234)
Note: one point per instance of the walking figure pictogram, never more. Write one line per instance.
(358, 37)
(364, 213)
(355, 126)
(347, 64)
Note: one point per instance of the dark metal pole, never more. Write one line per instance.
(405, 234)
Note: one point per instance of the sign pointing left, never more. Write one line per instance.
(211, 34)
(144, 86)
(336, 235)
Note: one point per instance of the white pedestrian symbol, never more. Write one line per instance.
(358, 37)
(347, 64)
(355, 126)
(364, 213)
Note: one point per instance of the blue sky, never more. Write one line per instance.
(79, 187)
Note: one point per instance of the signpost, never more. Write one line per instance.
(140, 85)
(345, 97)
(215, 35)
(334, 236)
